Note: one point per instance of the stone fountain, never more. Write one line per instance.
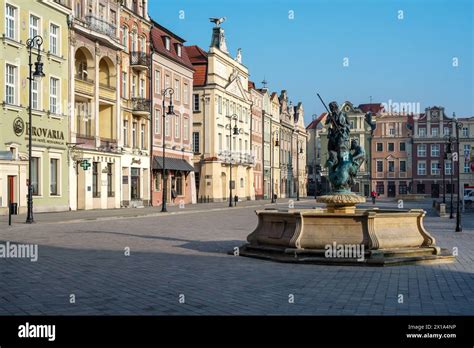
(341, 233)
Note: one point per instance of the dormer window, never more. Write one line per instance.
(178, 49)
(167, 43)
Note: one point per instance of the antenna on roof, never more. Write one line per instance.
(370, 98)
(264, 83)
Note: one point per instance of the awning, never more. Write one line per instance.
(172, 164)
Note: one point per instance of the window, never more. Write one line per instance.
(134, 135)
(54, 177)
(195, 102)
(402, 188)
(196, 142)
(125, 133)
(219, 136)
(465, 132)
(134, 40)
(391, 166)
(53, 39)
(142, 88)
(124, 84)
(186, 129)
(167, 43)
(143, 44)
(113, 17)
(179, 185)
(379, 166)
(34, 27)
(167, 126)
(125, 37)
(167, 81)
(403, 166)
(391, 147)
(35, 95)
(10, 84)
(467, 167)
(379, 188)
(421, 168)
(142, 136)
(54, 95)
(421, 150)
(176, 127)
(420, 188)
(157, 181)
(95, 180)
(391, 131)
(110, 187)
(178, 50)
(177, 92)
(434, 150)
(186, 94)
(402, 146)
(241, 182)
(10, 22)
(422, 132)
(219, 105)
(157, 121)
(157, 81)
(379, 147)
(35, 175)
(446, 131)
(134, 85)
(435, 169)
(434, 131)
(447, 167)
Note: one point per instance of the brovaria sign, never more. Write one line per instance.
(45, 135)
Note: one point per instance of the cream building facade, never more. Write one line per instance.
(220, 95)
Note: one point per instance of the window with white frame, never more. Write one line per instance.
(10, 84)
(186, 129)
(124, 84)
(177, 92)
(134, 86)
(465, 131)
(434, 131)
(176, 127)
(186, 93)
(467, 150)
(446, 131)
(178, 50)
(53, 182)
(34, 27)
(142, 137)
(125, 37)
(422, 132)
(435, 168)
(54, 95)
(167, 81)
(157, 121)
(10, 22)
(54, 39)
(142, 88)
(167, 43)
(35, 97)
(421, 150)
(219, 136)
(379, 166)
(157, 81)
(35, 175)
(219, 105)
(447, 167)
(467, 167)
(391, 131)
(143, 44)
(134, 135)
(125, 133)
(403, 166)
(421, 168)
(434, 150)
(167, 126)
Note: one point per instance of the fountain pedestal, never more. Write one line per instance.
(385, 237)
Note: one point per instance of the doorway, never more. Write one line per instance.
(135, 184)
(434, 190)
(11, 189)
(391, 190)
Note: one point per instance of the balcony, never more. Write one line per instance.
(84, 85)
(242, 158)
(107, 91)
(139, 60)
(101, 26)
(65, 3)
(141, 106)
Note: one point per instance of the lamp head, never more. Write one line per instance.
(38, 73)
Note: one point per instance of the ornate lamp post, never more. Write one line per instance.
(272, 148)
(232, 131)
(32, 43)
(445, 157)
(298, 153)
(314, 117)
(166, 92)
(458, 125)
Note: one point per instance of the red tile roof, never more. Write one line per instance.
(314, 123)
(251, 85)
(158, 34)
(374, 108)
(198, 58)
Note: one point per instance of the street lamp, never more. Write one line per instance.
(299, 152)
(458, 125)
(314, 117)
(449, 154)
(32, 43)
(232, 131)
(274, 143)
(166, 92)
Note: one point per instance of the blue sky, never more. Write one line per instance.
(407, 60)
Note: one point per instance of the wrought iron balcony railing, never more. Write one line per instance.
(139, 58)
(101, 26)
(236, 157)
(141, 104)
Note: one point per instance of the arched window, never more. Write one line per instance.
(104, 73)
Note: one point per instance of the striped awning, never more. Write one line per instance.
(172, 164)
